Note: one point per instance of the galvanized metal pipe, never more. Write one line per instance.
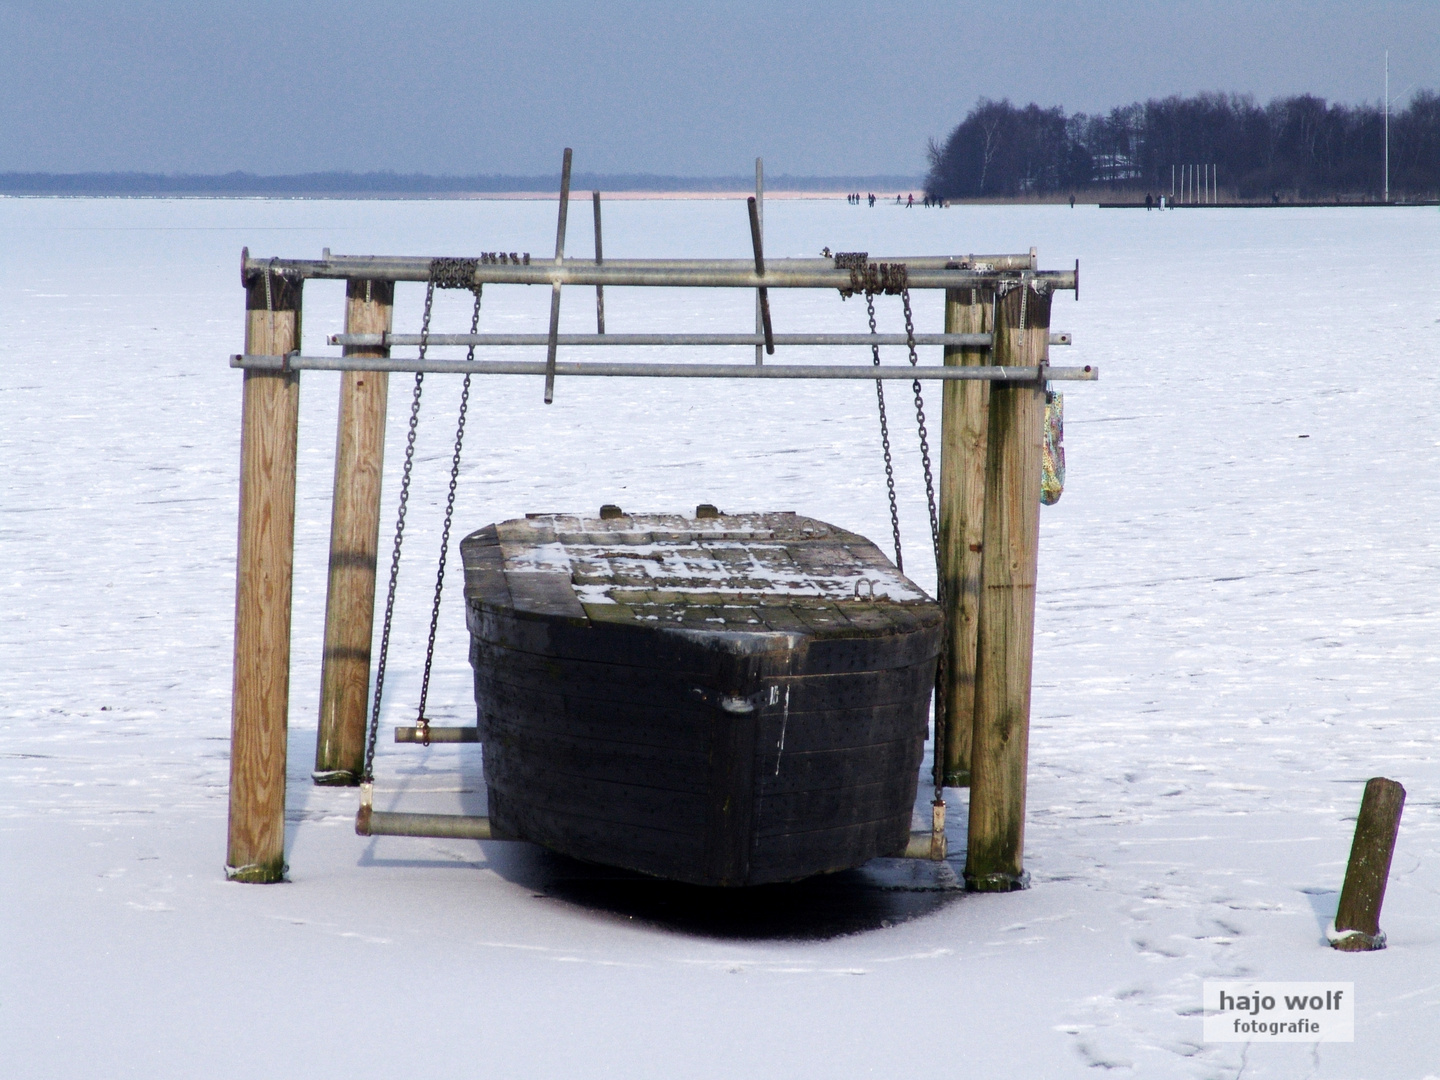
(988, 263)
(369, 822)
(296, 362)
(372, 822)
(333, 265)
(375, 341)
(686, 273)
(438, 735)
(967, 341)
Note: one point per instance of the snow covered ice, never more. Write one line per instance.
(1236, 627)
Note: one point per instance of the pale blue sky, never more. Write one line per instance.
(817, 88)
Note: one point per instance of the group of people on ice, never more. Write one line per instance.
(907, 201)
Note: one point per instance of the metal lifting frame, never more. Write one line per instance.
(268, 445)
(990, 272)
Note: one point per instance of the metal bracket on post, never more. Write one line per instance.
(362, 816)
(930, 845)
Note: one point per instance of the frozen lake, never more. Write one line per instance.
(1237, 625)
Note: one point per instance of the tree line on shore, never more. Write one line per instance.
(1295, 147)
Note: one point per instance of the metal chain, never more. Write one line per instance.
(422, 722)
(885, 438)
(893, 278)
(270, 304)
(920, 422)
(939, 755)
(369, 774)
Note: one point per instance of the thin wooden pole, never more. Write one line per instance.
(354, 538)
(963, 424)
(1006, 632)
(270, 417)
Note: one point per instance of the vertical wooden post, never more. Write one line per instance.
(270, 419)
(964, 419)
(354, 538)
(1357, 919)
(1006, 632)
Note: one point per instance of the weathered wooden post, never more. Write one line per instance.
(270, 416)
(354, 538)
(1006, 625)
(1357, 918)
(964, 419)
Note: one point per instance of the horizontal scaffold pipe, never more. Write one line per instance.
(977, 372)
(382, 341)
(682, 273)
(442, 826)
(370, 822)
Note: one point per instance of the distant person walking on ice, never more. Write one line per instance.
(1149, 203)
(910, 202)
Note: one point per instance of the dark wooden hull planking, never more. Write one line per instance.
(706, 700)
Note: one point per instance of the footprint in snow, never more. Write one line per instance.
(1158, 950)
(1228, 929)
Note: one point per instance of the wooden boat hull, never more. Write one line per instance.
(697, 749)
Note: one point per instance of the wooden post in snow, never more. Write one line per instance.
(1357, 919)
(354, 538)
(964, 419)
(1006, 631)
(270, 418)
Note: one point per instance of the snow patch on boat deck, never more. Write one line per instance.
(757, 558)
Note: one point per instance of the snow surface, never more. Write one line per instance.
(1237, 626)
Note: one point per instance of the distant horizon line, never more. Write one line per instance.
(390, 183)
